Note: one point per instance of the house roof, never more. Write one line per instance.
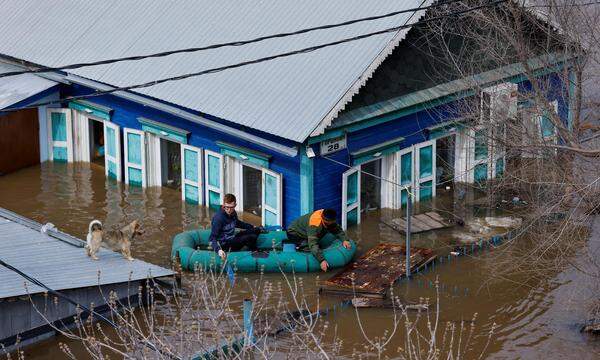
(457, 86)
(58, 260)
(290, 97)
(14, 89)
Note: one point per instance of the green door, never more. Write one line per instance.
(272, 202)
(406, 174)
(60, 135)
(191, 174)
(425, 170)
(112, 151)
(214, 179)
(351, 197)
(135, 157)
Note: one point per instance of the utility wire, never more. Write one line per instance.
(43, 69)
(256, 61)
(73, 302)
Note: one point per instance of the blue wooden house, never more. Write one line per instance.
(286, 136)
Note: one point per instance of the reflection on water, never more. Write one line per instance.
(532, 320)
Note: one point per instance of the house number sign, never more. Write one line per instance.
(333, 145)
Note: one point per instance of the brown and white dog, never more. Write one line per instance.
(119, 240)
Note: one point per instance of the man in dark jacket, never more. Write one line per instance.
(223, 237)
(310, 228)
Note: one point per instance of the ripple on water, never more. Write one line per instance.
(71, 195)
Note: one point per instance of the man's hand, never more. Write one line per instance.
(261, 230)
(346, 244)
(222, 255)
(324, 265)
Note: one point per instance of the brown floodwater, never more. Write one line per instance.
(533, 320)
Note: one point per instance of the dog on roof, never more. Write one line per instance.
(118, 240)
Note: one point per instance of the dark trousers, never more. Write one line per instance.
(295, 239)
(243, 238)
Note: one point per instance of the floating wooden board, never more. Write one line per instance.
(374, 272)
(369, 302)
(420, 223)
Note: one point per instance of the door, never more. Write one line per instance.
(351, 197)
(60, 135)
(272, 202)
(406, 174)
(191, 174)
(81, 137)
(214, 179)
(112, 151)
(135, 157)
(425, 170)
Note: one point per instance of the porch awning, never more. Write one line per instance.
(446, 128)
(15, 89)
(372, 152)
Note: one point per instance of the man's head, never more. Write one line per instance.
(229, 203)
(329, 216)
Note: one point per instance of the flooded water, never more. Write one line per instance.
(532, 320)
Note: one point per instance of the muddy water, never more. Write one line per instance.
(532, 320)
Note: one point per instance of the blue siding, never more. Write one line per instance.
(328, 175)
(126, 112)
(557, 91)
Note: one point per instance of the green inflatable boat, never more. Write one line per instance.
(191, 247)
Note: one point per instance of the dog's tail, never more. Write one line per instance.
(92, 223)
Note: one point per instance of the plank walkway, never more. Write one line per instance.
(420, 223)
(373, 273)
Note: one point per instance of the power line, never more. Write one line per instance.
(563, 5)
(259, 60)
(228, 44)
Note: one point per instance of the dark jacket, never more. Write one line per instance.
(223, 228)
(311, 228)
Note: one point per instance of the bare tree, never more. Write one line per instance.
(534, 68)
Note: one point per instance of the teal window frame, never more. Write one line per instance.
(244, 154)
(367, 154)
(90, 108)
(165, 131)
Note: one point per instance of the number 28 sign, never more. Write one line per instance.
(333, 145)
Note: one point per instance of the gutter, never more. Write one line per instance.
(257, 140)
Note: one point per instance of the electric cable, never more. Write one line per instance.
(254, 61)
(236, 43)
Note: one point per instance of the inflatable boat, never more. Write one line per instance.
(192, 250)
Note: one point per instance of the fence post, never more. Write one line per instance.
(248, 325)
(408, 216)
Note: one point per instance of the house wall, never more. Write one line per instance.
(19, 143)
(21, 316)
(125, 114)
(328, 175)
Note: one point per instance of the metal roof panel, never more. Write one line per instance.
(288, 97)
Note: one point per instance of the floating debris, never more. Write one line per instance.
(374, 272)
(420, 223)
(369, 302)
(505, 222)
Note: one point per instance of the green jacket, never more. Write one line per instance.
(311, 228)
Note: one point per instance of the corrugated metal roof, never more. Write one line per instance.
(288, 97)
(14, 89)
(442, 90)
(59, 264)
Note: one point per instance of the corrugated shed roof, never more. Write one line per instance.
(14, 89)
(288, 97)
(59, 264)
